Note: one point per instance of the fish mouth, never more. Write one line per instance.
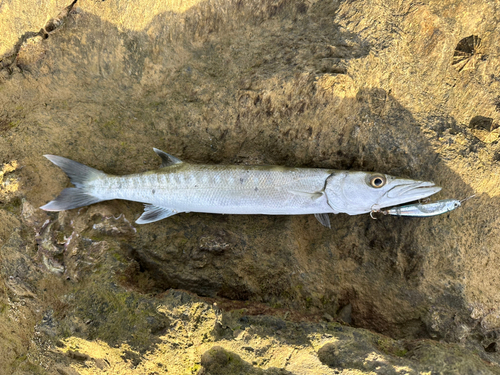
(408, 192)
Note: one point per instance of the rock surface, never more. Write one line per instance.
(400, 87)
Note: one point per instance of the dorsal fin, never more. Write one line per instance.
(166, 159)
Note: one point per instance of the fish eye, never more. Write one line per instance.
(378, 181)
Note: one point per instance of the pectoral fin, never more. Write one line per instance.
(324, 219)
(306, 194)
(154, 213)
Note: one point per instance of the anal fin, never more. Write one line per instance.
(324, 219)
(154, 213)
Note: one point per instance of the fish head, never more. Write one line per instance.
(362, 192)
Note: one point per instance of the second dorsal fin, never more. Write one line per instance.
(166, 159)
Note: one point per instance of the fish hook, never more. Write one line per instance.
(373, 210)
(466, 199)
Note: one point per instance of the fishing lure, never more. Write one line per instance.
(424, 210)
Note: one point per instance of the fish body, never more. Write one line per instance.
(222, 189)
(237, 189)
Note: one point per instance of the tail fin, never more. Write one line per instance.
(73, 197)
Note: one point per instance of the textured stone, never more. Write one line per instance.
(396, 87)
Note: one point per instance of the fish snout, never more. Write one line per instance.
(409, 192)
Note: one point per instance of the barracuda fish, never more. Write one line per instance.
(237, 189)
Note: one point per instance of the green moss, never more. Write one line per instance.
(110, 308)
(401, 353)
(109, 124)
(21, 358)
(13, 206)
(95, 237)
(391, 347)
(117, 255)
(110, 128)
(155, 104)
(183, 241)
(194, 369)
(60, 237)
(13, 124)
(324, 300)
(219, 360)
(23, 365)
(335, 326)
(3, 307)
(308, 302)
